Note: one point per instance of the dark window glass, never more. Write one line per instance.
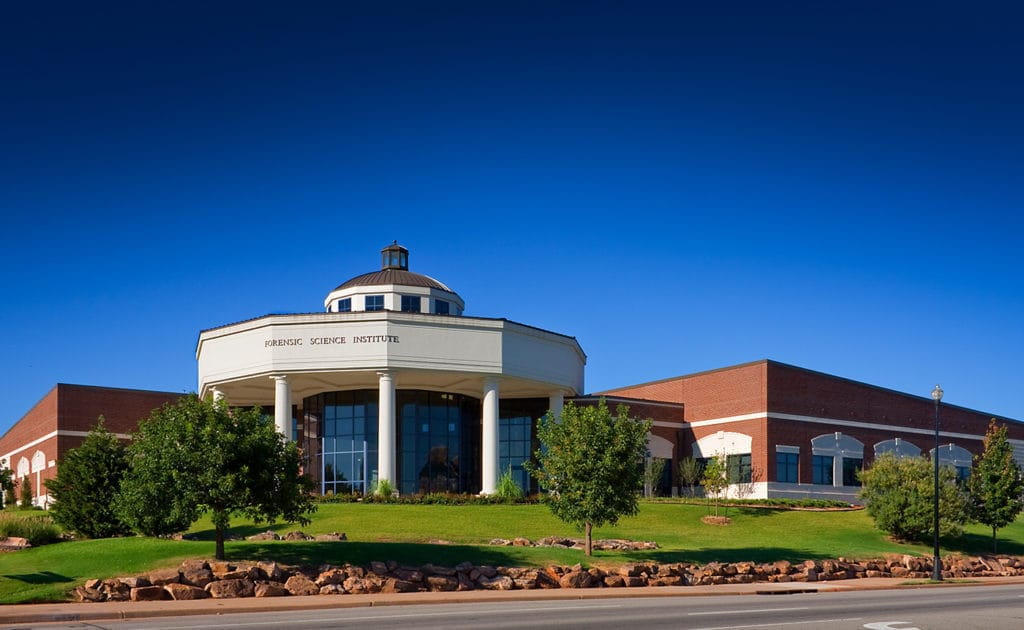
(786, 467)
(345, 306)
(441, 307)
(349, 445)
(439, 446)
(850, 468)
(738, 468)
(516, 440)
(963, 473)
(375, 302)
(410, 304)
(821, 467)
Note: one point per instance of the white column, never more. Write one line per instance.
(283, 406)
(489, 446)
(386, 427)
(217, 394)
(555, 403)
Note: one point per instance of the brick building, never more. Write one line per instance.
(61, 420)
(792, 432)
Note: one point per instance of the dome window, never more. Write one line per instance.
(394, 256)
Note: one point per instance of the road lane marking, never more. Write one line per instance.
(750, 610)
(342, 618)
(784, 623)
(888, 625)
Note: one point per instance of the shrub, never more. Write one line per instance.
(87, 481)
(899, 495)
(26, 494)
(508, 489)
(37, 528)
(384, 489)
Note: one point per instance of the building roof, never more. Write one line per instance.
(394, 276)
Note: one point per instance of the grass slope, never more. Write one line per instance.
(404, 533)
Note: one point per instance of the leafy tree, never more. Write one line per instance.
(199, 455)
(690, 473)
(653, 469)
(898, 493)
(26, 493)
(715, 479)
(6, 484)
(589, 462)
(87, 481)
(995, 485)
(10, 496)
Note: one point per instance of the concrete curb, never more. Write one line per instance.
(120, 611)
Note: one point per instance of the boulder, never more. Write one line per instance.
(197, 577)
(576, 579)
(115, 591)
(433, 569)
(271, 571)
(379, 568)
(332, 589)
(271, 589)
(167, 576)
(635, 580)
(299, 584)
(442, 583)
(229, 589)
(267, 535)
(409, 575)
(185, 591)
(614, 581)
(522, 542)
(393, 585)
(148, 594)
(496, 583)
(546, 578)
(86, 594)
(297, 535)
(133, 582)
(331, 537)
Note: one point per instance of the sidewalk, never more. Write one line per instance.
(44, 613)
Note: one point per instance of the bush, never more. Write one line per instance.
(899, 495)
(508, 490)
(26, 494)
(383, 489)
(87, 481)
(442, 498)
(37, 528)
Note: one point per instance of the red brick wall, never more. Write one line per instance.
(759, 460)
(81, 406)
(731, 391)
(40, 420)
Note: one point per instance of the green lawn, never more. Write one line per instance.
(404, 533)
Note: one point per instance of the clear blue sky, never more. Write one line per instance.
(681, 187)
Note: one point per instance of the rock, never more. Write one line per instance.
(221, 567)
(487, 571)
(227, 589)
(331, 576)
(185, 591)
(331, 537)
(635, 580)
(133, 582)
(148, 594)
(241, 573)
(464, 567)
(14, 543)
(267, 535)
(193, 565)
(197, 577)
(667, 580)
(94, 583)
(379, 568)
(392, 585)
(576, 579)
(442, 583)
(332, 589)
(433, 569)
(409, 575)
(501, 542)
(115, 591)
(546, 578)
(297, 535)
(87, 594)
(299, 584)
(167, 576)
(465, 584)
(614, 581)
(496, 583)
(522, 542)
(271, 589)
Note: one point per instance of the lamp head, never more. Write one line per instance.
(937, 394)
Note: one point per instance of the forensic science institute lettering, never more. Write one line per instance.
(329, 341)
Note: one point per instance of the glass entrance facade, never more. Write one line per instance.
(438, 442)
(348, 439)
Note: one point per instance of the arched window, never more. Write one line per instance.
(735, 447)
(956, 456)
(836, 459)
(23, 468)
(38, 461)
(898, 447)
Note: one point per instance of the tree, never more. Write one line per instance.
(26, 493)
(715, 479)
(589, 462)
(690, 473)
(6, 485)
(87, 481)
(996, 488)
(199, 455)
(654, 467)
(898, 493)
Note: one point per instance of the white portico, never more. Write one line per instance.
(445, 401)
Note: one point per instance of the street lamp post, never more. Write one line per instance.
(936, 560)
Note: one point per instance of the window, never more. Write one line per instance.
(786, 467)
(738, 467)
(374, 302)
(410, 304)
(345, 306)
(851, 466)
(441, 307)
(821, 468)
(962, 474)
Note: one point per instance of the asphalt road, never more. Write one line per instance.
(965, 607)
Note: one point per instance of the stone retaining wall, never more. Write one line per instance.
(199, 579)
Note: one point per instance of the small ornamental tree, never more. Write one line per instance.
(590, 465)
(26, 493)
(898, 493)
(995, 483)
(6, 484)
(87, 482)
(714, 479)
(690, 473)
(197, 456)
(10, 496)
(654, 468)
